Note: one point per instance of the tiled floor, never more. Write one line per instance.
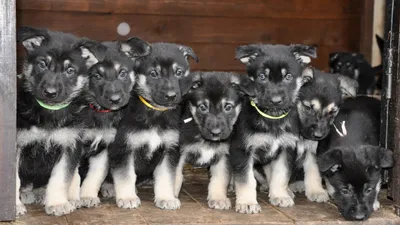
(195, 211)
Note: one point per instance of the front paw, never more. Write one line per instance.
(107, 190)
(318, 195)
(248, 208)
(90, 202)
(27, 197)
(220, 204)
(20, 209)
(297, 187)
(282, 201)
(59, 210)
(76, 203)
(171, 204)
(132, 203)
(376, 205)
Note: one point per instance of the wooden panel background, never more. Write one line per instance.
(212, 27)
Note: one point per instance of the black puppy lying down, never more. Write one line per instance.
(351, 161)
(211, 112)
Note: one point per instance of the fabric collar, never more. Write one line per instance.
(52, 107)
(252, 103)
(150, 106)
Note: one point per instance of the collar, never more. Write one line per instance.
(252, 103)
(150, 106)
(99, 110)
(52, 107)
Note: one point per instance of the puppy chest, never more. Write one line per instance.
(204, 155)
(98, 139)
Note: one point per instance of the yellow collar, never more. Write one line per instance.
(150, 106)
(252, 103)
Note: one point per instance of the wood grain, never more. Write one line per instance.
(8, 109)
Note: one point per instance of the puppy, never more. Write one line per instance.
(146, 143)
(356, 67)
(212, 110)
(351, 161)
(111, 80)
(48, 150)
(267, 128)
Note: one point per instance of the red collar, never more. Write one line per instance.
(99, 110)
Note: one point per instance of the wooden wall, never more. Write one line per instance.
(212, 27)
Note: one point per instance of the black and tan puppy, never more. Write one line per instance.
(212, 110)
(267, 129)
(351, 160)
(146, 143)
(48, 123)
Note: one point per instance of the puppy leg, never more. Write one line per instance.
(20, 208)
(231, 186)
(218, 185)
(279, 194)
(124, 183)
(312, 180)
(164, 182)
(26, 194)
(179, 175)
(74, 189)
(56, 200)
(40, 195)
(246, 188)
(98, 168)
(376, 204)
(107, 190)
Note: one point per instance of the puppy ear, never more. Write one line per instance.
(307, 74)
(31, 38)
(243, 84)
(247, 53)
(381, 43)
(333, 56)
(378, 157)
(330, 161)
(348, 86)
(188, 51)
(134, 47)
(303, 53)
(90, 50)
(190, 82)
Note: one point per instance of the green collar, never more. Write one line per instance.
(52, 107)
(252, 103)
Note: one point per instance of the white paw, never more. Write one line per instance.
(76, 203)
(172, 204)
(20, 209)
(107, 190)
(297, 187)
(40, 195)
(27, 197)
(59, 210)
(376, 205)
(220, 204)
(291, 193)
(317, 196)
(90, 202)
(282, 201)
(129, 203)
(248, 209)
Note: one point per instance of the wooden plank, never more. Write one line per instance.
(322, 9)
(8, 109)
(367, 17)
(214, 30)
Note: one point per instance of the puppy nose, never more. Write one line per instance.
(216, 131)
(50, 92)
(276, 100)
(170, 96)
(115, 99)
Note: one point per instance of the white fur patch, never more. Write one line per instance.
(117, 66)
(246, 192)
(58, 186)
(64, 137)
(98, 135)
(279, 184)
(89, 56)
(316, 104)
(98, 168)
(125, 47)
(164, 186)
(125, 181)
(207, 152)
(263, 140)
(31, 43)
(219, 181)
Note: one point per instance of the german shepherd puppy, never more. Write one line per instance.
(146, 143)
(351, 161)
(212, 110)
(267, 128)
(48, 150)
(111, 80)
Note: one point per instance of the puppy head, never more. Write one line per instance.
(215, 105)
(111, 76)
(319, 103)
(54, 70)
(346, 63)
(354, 175)
(163, 76)
(278, 72)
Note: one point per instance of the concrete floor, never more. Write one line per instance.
(195, 211)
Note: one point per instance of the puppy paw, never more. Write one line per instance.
(248, 209)
(20, 209)
(107, 190)
(77, 203)
(90, 202)
(40, 195)
(59, 210)
(290, 193)
(376, 205)
(172, 204)
(27, 197)
(297, 187)
(220, 204)
(132, 203)
(284, 201)
(317, 196)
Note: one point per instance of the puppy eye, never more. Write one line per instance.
(203, 108)
(262, 76)
(70, 71)
(289, 77)
(368, 191)
(179, 72)
(42, 64)
(228, 107)
(122, 74)
(345, 192)
(153, 74)
(96, 76)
